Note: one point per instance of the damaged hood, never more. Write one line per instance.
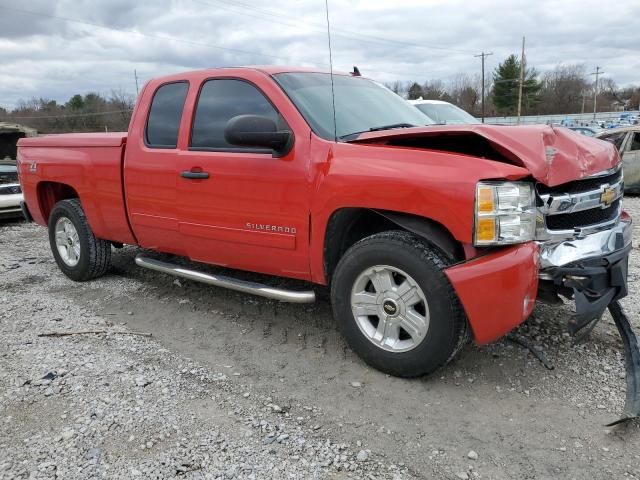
(553, 155)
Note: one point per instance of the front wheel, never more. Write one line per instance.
(395, 307)
(78, 252)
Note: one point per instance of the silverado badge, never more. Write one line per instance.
(608, 196)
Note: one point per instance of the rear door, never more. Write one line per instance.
(242, 207)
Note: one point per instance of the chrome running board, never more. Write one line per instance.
(227, 282)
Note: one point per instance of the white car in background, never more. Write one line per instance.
(10, 191)
(443, 113)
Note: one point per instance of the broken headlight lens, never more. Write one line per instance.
(505, 213)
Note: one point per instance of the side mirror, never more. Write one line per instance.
(258, 131)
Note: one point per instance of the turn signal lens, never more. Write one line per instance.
(485, 199)
(505, 213)
(486, 230)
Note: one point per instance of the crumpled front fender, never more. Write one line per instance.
(498, 290)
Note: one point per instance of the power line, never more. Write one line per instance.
(320, 28)
(229, 49)
(172, 39)
(157, 37)
(69, 115)
(135, 32)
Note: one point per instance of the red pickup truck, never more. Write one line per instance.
(426, 235)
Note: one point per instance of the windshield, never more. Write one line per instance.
(361, 105)
(446, 113)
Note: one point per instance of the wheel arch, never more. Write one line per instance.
(50, 193)
(348, 225)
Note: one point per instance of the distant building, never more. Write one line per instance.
(618, 106)
(10, 133)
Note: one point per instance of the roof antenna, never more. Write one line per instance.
(333, 95)
(356, 72)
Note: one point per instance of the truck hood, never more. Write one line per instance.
(553, 155)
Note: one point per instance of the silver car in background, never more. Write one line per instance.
(10, 191)
(444, 113)
(627, 141)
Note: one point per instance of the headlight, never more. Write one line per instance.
(505, 213)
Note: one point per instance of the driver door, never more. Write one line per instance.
(242, 207)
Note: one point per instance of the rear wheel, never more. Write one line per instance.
(79, 254)
(395, 306)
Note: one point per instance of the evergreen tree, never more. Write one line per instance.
(506, 83)
(76, 102)
(415, 91)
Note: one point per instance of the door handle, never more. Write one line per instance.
(194, 175)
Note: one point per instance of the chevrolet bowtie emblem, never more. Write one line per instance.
(608, 196)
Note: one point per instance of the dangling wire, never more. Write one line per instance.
(333, 95)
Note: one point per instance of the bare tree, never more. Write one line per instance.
(89, 113)
(563, 89)
(434, 90)
(465, 92)
(609, 96)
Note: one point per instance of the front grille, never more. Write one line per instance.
(584, 218)
(579, 206)
(10, 189)
(579, 186)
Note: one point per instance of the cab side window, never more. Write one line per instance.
(221, 100)
(635, 142)
(165, 113)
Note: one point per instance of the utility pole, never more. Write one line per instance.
(483, 56)
(135, 75)
(521, 83)
(597, 73)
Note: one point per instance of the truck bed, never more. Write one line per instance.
(114, 139)
(83, 165)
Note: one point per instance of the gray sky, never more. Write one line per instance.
(54, 49)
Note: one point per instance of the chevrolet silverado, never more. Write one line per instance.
(426, 235)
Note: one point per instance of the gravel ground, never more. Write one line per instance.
(232, 386)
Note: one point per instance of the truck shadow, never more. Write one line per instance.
(11, 222)
(274, 340)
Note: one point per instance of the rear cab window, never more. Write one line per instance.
(163, 123)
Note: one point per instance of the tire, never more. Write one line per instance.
(86, 257)
(406, 261)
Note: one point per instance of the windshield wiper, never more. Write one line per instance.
(377, 129)
(391, 126)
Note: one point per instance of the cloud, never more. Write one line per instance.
(56, 49)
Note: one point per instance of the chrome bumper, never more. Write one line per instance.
(591, 270)
(603, 243)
